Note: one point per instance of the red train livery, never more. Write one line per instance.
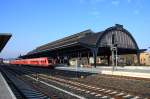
(40, 62)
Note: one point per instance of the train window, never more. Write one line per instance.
(43, 61)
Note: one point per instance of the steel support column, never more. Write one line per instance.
(138, 58)
(108, 59)
(94, 51)
(88, 55)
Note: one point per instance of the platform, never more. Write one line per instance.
(133, 71)
(5, 91)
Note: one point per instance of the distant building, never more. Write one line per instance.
(145, 58)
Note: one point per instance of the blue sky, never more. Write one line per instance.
(36, 22)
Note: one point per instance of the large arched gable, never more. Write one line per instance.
(123, 38)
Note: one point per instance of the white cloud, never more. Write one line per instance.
(115, 2)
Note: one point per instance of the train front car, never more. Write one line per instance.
(51, 62)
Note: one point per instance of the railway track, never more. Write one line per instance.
(96, 92)
(23, 89)
(121, 89)
(77, 89)
(18, 94)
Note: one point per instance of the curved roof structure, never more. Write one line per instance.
(4, 37)
(64, 42)
(87, 40)
(123, 38)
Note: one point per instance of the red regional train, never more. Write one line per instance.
(39, 62)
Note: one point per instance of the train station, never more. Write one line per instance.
(74, 49)
(89, 48)
(81, 65)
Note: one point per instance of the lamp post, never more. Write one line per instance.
(114, 56)
(114, 51)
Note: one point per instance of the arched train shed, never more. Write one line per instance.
(88, 43)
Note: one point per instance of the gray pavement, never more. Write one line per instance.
(135, 71)
(5, 91)
(98, 69)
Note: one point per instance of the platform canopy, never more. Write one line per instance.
(4, 38)
(89, 43)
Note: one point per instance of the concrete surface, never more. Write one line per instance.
(133, 71)
(5, 91)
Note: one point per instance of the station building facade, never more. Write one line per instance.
(145, 58)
